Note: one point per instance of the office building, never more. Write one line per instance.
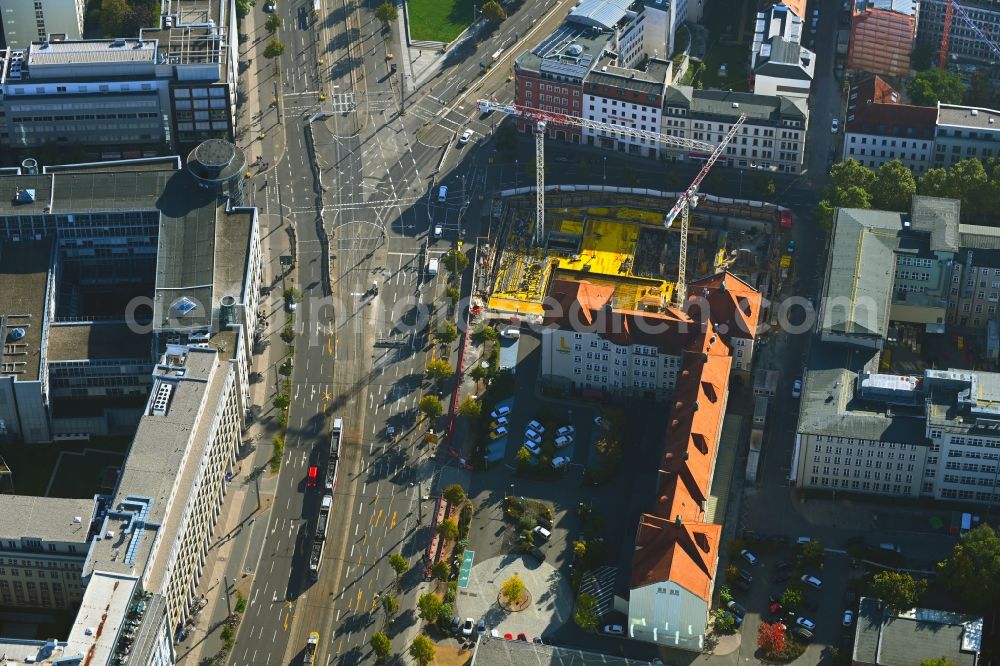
(780, 64)
(772, 138)
(161, 92)
(964, 45)
(133, 561)
(882, 34)
(975, 278)
(884, 637)
(965, 132)
(26, 21)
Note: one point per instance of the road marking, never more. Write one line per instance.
(393, 521)
(357, 606)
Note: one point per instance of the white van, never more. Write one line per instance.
(432, 267)
(443, 193)
(511, 333)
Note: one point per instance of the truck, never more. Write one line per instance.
(312, 643)
(334, 458)
(843, 41)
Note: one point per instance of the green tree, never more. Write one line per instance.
(446, 332)
(480, 372)
(513, 589)
(852, 197)
(431, 406)
(429, 607)
(455, 261)
(972, 572)
(484, 333)
(894, 187)
(387, 14)
(791, 599)
(447, 529)
(579, 550)
(898, 590)
(523, 457)
(455, 494)
(585, 614)
(113, 13)
(812, 552)
(274, 49)
(940, 661)
(273, 23)
(725, 594)
(452, 294)
(441, 571)
(243, 7)
(241, 602)
(422, 650)
(399, 565)
(934, 183)
(390, 606)
(934, 85)
(381, 646)
(281, 401)
(438, 369)
(470, 407)
(851, 172)
(980, 91)
(967, 181)
(493, 12)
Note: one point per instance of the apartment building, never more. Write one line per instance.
(925, 255)
(77, 245)
(648, 34)
(26, 21)
(628, 98)
(593, 347)
(162, 92)
(965, 132)
(43, 544)
(878, 133)
(780, 64)
(772, 138)
(963, 43)
(882, 35)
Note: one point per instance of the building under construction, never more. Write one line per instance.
(619, 240)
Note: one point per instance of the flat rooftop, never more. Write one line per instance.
(105, 604)
(21, 652)
(24, 280)
(91, 52)
(153, 471)
(76, 342)
(51, 519)
(967, 116)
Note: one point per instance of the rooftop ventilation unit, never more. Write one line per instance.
(162, 398)
(119, 42)
(574, 50)
(974, 112)
(184, 305)
(15, 334)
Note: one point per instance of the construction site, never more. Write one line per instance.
(619, 240)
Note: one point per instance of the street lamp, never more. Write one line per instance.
(605, 169)
(515, 187)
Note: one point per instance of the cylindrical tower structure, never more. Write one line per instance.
(30, 166)
(219, 165)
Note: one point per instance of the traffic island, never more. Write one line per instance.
(514, 596)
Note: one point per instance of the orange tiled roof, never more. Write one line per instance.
(685, 553)
(734, 306)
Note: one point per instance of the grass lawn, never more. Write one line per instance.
(439, 20)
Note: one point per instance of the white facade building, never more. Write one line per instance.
(26, 21)
(650, 34)
(965, 132)
(629, 98)
(780, 64)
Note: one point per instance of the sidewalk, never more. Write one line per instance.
(238, 537)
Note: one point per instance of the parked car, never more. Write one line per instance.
(566, 430)
(784, 565)
(805, 623)
(559, 462)
(736, 608)
(311, 476)
(803, 540)
(741, 584)
(536, 426)
(502, 421)
(523, 637)
(797, 388)
(456, 624)
(563, 440)
(541, 532)
(802, 634)
(468, 627)
(498, 433)
(782, 576)
(500, 411)
(466, 135)
(270, 7)
(790, 248)
(745, 575)
(614, 629)
(750, 558)
(812, 581)
(834, 126)
(533, 436)
(737, 620)
(534, 447)
(481, 627)
(848, 617)
(538, 554)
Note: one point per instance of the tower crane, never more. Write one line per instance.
(946, 34)
(688, 199)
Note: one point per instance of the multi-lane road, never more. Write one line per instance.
(359, 184)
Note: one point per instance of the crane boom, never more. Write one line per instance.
(687, 200)
(946, 34)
